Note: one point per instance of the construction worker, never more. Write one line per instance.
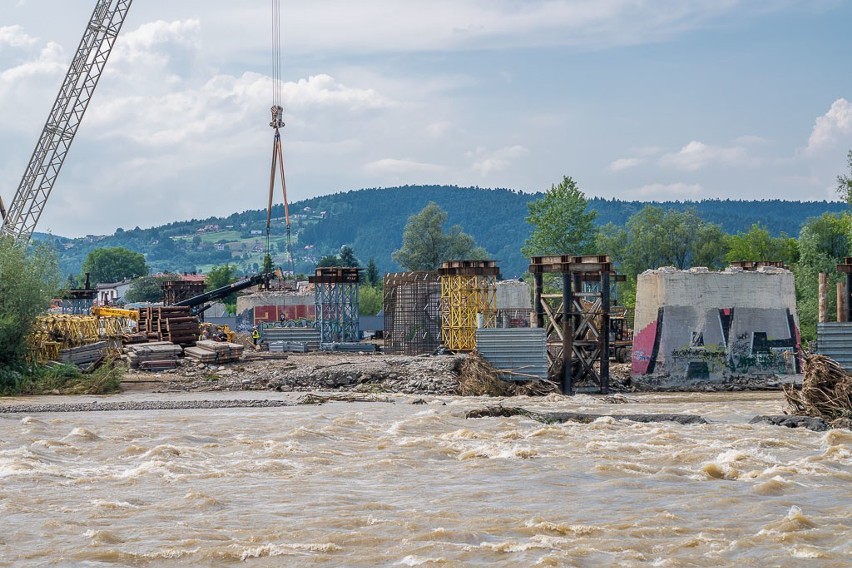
(255, 335)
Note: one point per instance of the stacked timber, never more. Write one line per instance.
(157, 356)
(169, 323)
(84, 355)
(214, 352)
(131, 338)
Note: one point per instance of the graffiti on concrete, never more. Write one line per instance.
(691, 343)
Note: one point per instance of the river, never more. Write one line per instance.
(402, 484)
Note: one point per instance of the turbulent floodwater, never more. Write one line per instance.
(396, 484)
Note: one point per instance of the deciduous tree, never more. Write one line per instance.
(844, 181)
(562, 222)
(758, 244)
(147, 289)
(28, 281)
(425, 245)
(114, 264)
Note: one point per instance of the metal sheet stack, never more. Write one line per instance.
(214, 352)
(169, 323)
(156, 356)
(291, 336)
(85, 355)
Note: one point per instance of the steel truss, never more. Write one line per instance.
(65, 117)
(336, 292)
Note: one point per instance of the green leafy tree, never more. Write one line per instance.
(347, 257)
(562, 222)
(425, 245)
(372, 275)
(220, 276)
(267, 264)
(823, 243)
(758, 244)
(147, 289)
(655, 237)
(370, 300)
(844, 181)
(28, 281)
(329, 260)
(114, 264)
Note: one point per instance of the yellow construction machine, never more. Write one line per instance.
(110, 312)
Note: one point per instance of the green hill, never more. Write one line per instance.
(372, 222)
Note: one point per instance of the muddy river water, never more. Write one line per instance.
(402, 484)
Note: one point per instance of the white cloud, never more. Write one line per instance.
(486, 163)
(697, 155)
(50, 61)
(624, 163)
(665, 192)
(15, 36)
(390, 166)
(439, 129)
(323, 90)
(834, 124)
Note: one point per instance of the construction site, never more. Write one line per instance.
(563, 330)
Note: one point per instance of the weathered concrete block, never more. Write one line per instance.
(700, 326)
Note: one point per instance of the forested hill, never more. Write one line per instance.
(372, 222)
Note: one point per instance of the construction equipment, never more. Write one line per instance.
(110, 312)
(203, 301)
(64, 119)
(277, 123)
(216, 332)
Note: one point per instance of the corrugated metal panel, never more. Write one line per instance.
(835, 340)
(522, 350)
(308, 335)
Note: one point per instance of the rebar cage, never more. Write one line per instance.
(412, 306)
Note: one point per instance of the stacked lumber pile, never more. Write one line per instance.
(169, 323)
(85, 355)
(157, 356)
(214, 352)
(130, 338)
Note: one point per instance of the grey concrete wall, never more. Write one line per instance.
(699, 326)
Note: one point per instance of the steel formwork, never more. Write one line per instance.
(336, 292)
(412, 306)
(577, 321)
(468, 301)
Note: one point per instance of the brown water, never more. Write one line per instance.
(378, 484)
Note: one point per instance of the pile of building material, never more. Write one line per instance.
(157, 356)
(169, 323)
(85, 355)
(210, 352)
(291, 338)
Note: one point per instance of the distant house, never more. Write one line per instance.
(256, 232)
(220, 246)
(112, 293)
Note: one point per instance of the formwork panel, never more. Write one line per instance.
(464, 300)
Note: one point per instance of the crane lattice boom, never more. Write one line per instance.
(61, 126)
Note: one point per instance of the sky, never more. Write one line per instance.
(634, 99)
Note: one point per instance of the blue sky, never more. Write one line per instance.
(647, 100)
